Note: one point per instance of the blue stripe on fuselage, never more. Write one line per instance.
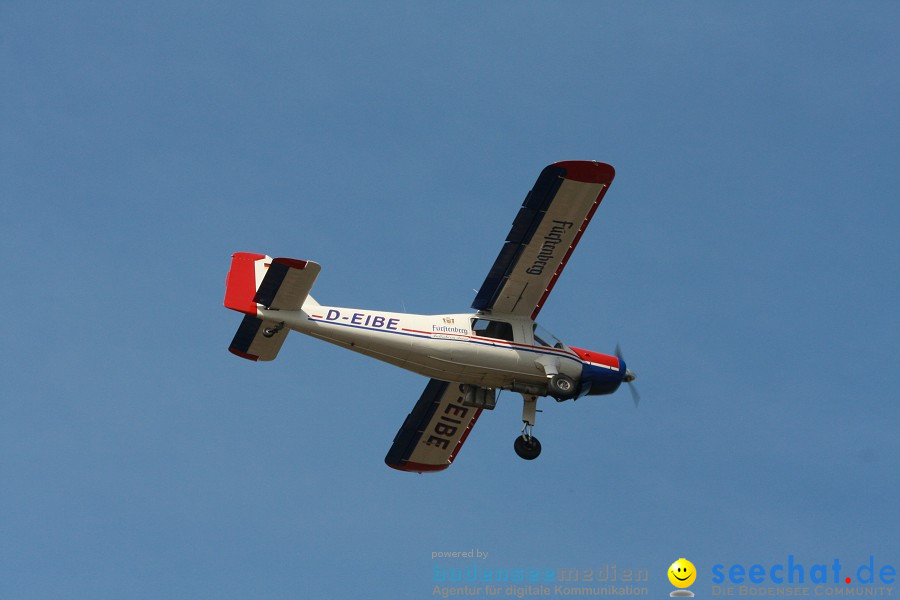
(426, 336)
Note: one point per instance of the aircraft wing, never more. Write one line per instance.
(544, 233)
(434, 431)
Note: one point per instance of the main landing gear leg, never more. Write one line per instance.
(527, 446)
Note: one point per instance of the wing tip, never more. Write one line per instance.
(237, 352)
(412, 467)
(587, 171)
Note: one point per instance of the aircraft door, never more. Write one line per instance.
(498, 350)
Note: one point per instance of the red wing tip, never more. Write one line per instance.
(588, 171)
(243, 354)
(411, 467)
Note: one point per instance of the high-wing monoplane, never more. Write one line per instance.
(467, 356)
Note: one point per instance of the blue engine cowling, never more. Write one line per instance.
(600, 373)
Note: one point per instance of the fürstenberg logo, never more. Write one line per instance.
(548, 248)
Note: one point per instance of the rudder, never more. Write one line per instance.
(246, 274)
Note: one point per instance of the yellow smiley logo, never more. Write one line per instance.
(682, 573)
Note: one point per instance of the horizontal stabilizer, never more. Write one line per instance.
(258, 339)
(287, 283)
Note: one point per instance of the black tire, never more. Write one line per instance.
(270, 331)
(561, 386)
(528, 449)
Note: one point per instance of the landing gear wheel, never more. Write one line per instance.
(561, 386)
(528, 448)
(270, 331)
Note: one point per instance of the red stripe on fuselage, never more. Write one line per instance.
(479, 338)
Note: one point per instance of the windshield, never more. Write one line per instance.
(545, 338)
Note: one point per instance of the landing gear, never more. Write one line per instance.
(270, 331)
(561, 386)
(528, 448)
(526, 445)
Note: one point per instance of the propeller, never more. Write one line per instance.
(629, 378)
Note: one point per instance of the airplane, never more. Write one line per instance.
(467, 356)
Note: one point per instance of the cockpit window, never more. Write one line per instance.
(499, 330)
(540, 341)
(545, 338)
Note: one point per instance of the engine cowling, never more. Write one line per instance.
(600, 374)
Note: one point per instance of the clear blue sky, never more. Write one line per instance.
(746, 258)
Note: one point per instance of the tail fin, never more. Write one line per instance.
(276, 283)
(258, 281)
(246, 274)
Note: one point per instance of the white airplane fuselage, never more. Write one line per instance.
(438, 346)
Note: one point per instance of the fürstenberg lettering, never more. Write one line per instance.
(549, 246)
